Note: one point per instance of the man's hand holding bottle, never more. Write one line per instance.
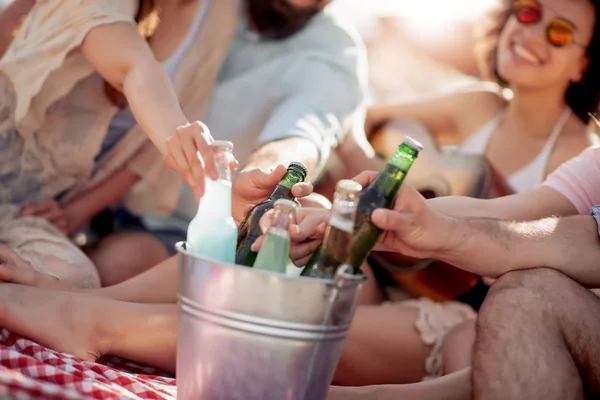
(412, 227)
(251, 186)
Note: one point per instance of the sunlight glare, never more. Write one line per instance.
(427, 17)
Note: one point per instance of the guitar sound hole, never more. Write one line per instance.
(428, 194)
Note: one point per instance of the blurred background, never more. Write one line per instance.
(414, 47)
(417, 47)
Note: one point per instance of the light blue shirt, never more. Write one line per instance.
(308, 85)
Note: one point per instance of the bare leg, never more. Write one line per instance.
(156, 285)
(458, 347)
(538, 336)
(89, 326)
(456, 386)
(124, 255)
(383, 346)
(370, 293)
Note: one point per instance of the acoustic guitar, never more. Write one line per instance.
(435, 173)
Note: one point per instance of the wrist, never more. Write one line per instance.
(75, 217)
(453, 238)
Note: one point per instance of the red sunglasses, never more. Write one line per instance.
(560, 32)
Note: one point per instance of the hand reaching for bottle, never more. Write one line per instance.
(306, 233)
(188, 152)
(251, 186)
(412, 227)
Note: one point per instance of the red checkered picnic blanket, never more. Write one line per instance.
(31, 371)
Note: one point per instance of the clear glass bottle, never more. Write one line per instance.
(335, 248)
(213, 233)
(274, 254)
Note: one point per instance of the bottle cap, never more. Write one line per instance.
(412, 143)
(347, 186)
(285, 203)
(222, 144)
(299, 166)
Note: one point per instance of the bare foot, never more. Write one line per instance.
(62, 321)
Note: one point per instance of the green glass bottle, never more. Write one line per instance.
(336, 243)
(249, 230)
(379, 194)
(274, 254)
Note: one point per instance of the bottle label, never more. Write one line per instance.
(342, 224)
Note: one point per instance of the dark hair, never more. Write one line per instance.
(583, 97)
(277, 19)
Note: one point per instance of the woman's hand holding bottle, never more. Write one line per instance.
(187, 151)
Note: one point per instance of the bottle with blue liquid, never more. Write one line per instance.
(213, 233)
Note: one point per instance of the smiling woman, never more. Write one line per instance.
(539, 45)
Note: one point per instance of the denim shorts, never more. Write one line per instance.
(121, 220)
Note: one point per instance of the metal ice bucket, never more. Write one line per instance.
(248, 334)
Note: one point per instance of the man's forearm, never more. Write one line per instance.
(491, 247)
(285, 151)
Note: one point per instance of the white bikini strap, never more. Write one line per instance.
(559, 126)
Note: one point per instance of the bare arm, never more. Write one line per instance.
(491, 247)
(536, 204)
(285, 151)
(84, 207)
(10, 21)
(125, 60)
(156, 285)
(439, 113)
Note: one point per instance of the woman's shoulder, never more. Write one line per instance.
(485, 95)
(475, 105)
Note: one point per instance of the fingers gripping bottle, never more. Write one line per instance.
(274, 254)
(249, 230)
(379, 194)
(213, 233)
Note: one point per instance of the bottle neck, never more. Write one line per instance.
(403, 158)
(344, 211)
(388, 180)
(336, 242)
(284, 188)
(281, 192)
(282, 220)
(222, 159)
(216, 201)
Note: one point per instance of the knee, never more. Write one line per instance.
(142, 246)
(541, 281)
(520, 295)
(121, 256)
